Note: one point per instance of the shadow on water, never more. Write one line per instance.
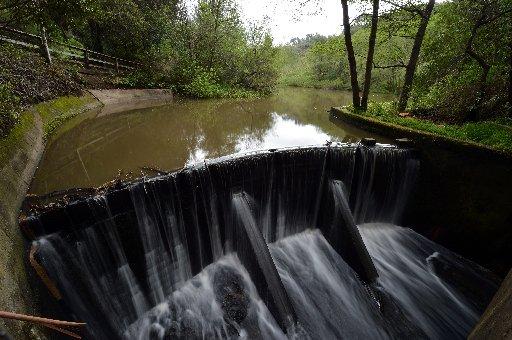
(187, 131)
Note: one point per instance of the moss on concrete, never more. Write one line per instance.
(55, 112)
(20, 152)
(16, 135)
(493, 134)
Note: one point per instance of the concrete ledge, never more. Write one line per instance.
(496, 323)
(15, 177)
(462, 198)
(123, 100)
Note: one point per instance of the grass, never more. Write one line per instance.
(491, 133)
(300, 80)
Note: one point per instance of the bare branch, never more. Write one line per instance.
(400, 64)
(410, 8)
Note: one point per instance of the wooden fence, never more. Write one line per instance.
(47, 47)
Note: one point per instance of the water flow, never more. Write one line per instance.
(219, 303)
(130, 274)
(330, 300)
(444, 307)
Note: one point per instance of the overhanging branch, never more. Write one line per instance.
(400, 64)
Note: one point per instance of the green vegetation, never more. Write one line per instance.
(451, 64)
(201, 52)
(320, 62)
(204, 51)
(55, 112)
(496, 134)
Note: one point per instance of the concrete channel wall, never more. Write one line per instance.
(17, 167)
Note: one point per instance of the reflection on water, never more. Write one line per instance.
(188, 131)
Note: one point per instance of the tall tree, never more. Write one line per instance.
(416, 48)
(510, 77)
(486, 12)
(369, 57)
(356, 100)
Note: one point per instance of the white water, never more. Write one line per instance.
(403, 259)
(147, 291)
(195, 310)
(330, 300)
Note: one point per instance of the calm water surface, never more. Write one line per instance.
(187, 131)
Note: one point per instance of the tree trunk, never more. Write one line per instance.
(485, 73)
(216, 7)
(415, 54)
(351, 57)
(45, 51)
(369, 58)
(510, 79)
(482, 85)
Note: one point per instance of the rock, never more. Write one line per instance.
(231, 293)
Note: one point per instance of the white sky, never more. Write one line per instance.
(287, 19)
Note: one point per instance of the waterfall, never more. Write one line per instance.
(263, 245)
(406, 261)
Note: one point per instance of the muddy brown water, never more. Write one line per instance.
(169, 137)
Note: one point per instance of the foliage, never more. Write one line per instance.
(448, 84)
(492, 133)
(449, 78)
(182, 48)
(324, 63)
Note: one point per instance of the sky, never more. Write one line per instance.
(287, 19)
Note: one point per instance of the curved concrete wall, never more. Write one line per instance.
(16, 172)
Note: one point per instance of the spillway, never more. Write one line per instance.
(289, 243)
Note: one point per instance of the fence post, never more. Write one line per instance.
(117, 65)
(45, 51)
(86, 58)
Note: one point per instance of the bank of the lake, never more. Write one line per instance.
(494, 135)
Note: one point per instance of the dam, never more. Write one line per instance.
(284, 243)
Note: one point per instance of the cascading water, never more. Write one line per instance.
(185, 256)
(411, 272)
